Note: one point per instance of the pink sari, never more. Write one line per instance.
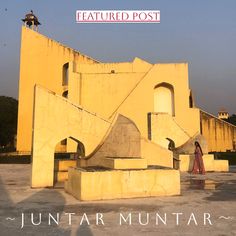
(198, 164)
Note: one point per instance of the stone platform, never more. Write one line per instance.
(113, 184)
(186, 163)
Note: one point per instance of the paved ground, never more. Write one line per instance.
(213, 194)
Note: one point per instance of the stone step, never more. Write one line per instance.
(124, 163)
(60, 176)
(186, 163)
(63, 165)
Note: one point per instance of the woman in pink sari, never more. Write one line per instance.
(198, 165)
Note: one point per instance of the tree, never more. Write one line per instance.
(232, 119)
(8, 120)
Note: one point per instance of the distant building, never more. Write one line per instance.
(223, 114)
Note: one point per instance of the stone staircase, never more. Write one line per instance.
(61, 169)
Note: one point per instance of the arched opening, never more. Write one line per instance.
(164, 99)
(65, 94)
(80, 150)
(65, 74)
(191, 102)
(63, 160)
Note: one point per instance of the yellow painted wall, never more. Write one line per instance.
(103, 93)
(155, 154)
(220, 135)
(55, 118)
(124, 163)
(103, 88)
(164, 126)
(122, 184)
(132, 93)
(186, 163)
(41, 62)
(63, 165)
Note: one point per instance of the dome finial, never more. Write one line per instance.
(31, 20)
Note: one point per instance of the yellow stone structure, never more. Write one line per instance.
(186, 163)
(41, 62)
(220, 135)
(132, 89)
(112, 116)
(114, 184)
(223, 114)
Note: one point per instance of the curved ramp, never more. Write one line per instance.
(189, 147)
(122, 141)
(163, 126)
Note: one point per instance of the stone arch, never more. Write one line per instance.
(80, 149)
(65, 74)
(65, 94)
(164, 101)
(62, 160)
(56, 118)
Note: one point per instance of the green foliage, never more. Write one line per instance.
(8, 120)
(232, 119)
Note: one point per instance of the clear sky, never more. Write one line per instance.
(202, 33)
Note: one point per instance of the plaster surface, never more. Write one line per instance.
(186, 163)
(156, 154)
(220, 135)
(55, 119)
(41, 62)
(112, 184)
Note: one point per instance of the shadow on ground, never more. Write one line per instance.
(226, 192)
(11, 214)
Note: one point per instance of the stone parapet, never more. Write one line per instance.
(100, 185)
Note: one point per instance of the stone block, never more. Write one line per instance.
(114, 184)
(186, 163)
(60, 176)
(221, 165)
(63, 165)
(124, 163)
